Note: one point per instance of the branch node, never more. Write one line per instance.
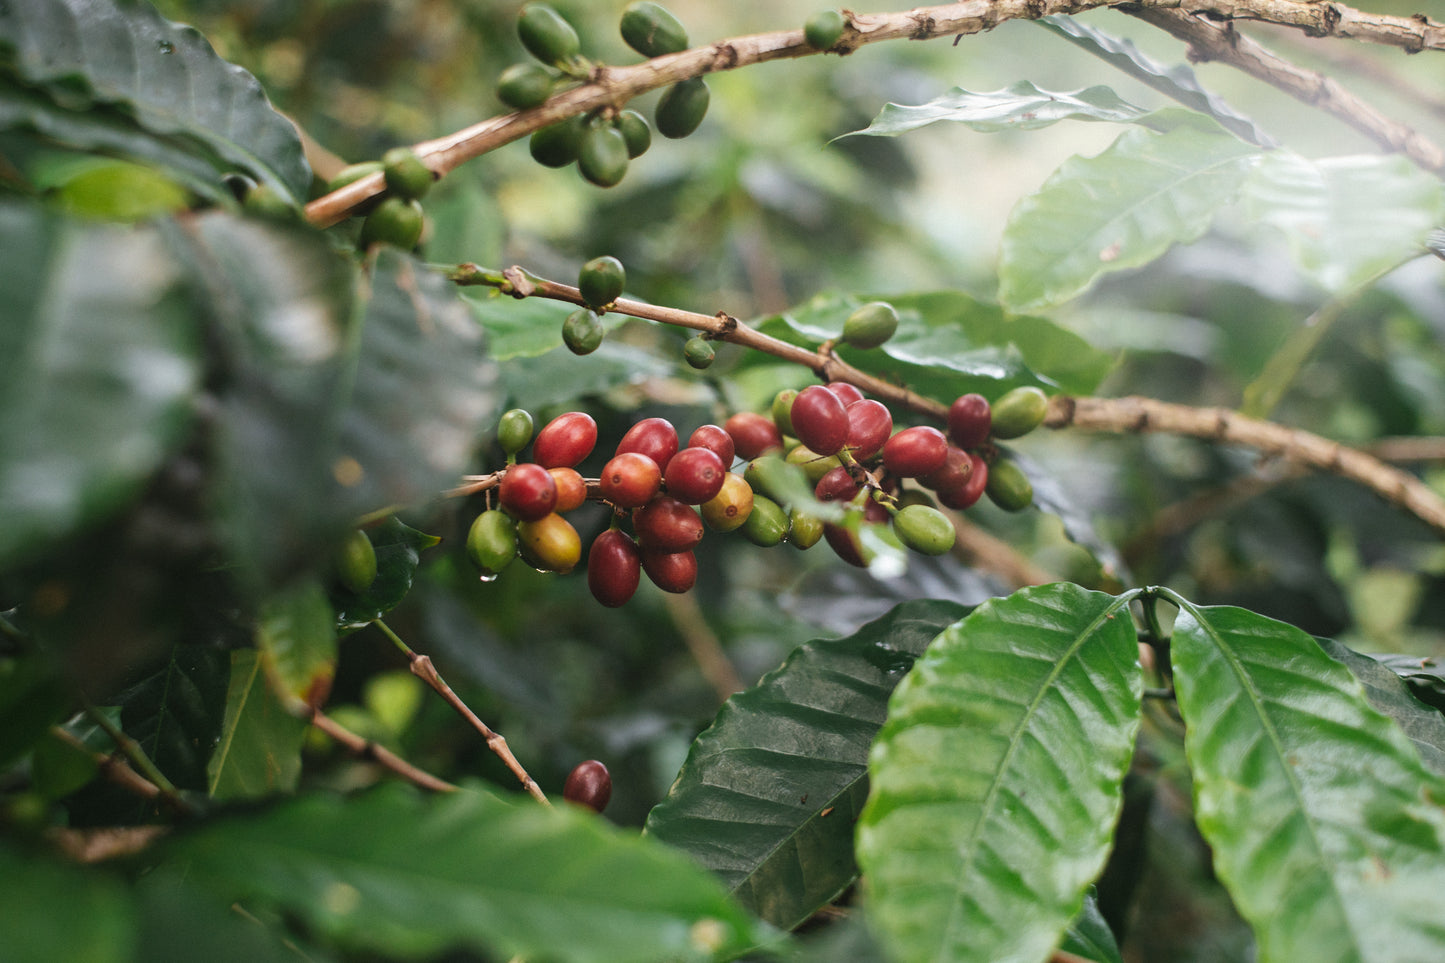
(521, 284)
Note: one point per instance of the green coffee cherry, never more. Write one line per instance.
(601, 281)
(356, 562)
(1018, 412)
(406, 175)
(582, 332)
(514, 431)
(353, 173)
(767, 525)
(525, 85)
(263, 200)
(1008, 487)
(782, 410)
(557, 146)
(804, 531)
(699, 352)
(397, 221)
(651, 30)
(636, 131)
(682, 108)
(823, 29)
(546, 35)
(602, 156)
(777, 479)
(870, 325)
(492, 542)
(814, 465)
(923, 529)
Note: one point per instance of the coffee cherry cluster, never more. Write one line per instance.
(396, 218)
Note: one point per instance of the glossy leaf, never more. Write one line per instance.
(1424, 675)
(51, 910)
(997, 777)
(1389, 693)
(98, 365)
(259, 753)
(394, 872)
(1120, 209)
(1177, 82)
(1325, 827)
(1089, 936)
(175, 714)
(398, 549)
(84, 53)
(1021, 106)
(769, 794)
(296, 636)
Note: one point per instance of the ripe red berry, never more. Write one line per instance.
(915, 451)
(667, 525)
(954, 472)
(964, 495)
(969, 420)
(753, 434)
(671, 571)
(565, 441)
(694, 475)
(845, 544)
(820, 420)
(846, 393)
(590, 785)
(630, 480)
(614, 567)
(527, 492)
(653, 437)
(869, 425)
(715, 440)
(836, 486)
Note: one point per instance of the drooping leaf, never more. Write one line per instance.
(296, 637)
(1346, 218)
(1325, 827)
(1387, 692)
(98, 364)
(398, 553)
(1120, 209)
(769, 794)
(1177, 82)
(53, 911)
(394, 872)
(997, 777)
(1021, 106)
(259, 753)
(165, 76)
(175, 714)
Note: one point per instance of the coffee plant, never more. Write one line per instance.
(932, 502)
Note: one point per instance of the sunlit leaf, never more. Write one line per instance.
(996, 780)
(769, 794)
(1388, 692)
(1021, 106)
(259, 753)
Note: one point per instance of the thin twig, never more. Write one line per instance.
(421, 667)
(382, 756)
(703, 643)
(143, 767)
(114, 768)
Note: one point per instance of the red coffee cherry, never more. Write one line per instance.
(590, 785)
(653, 437)
(915, 451)
(753, 434)
(527, 492)
(955, 471)
(630, 480)
(674, 572)
(836, 486)
(820, 420)
(969, 420)
(667, 525)
(845, 544)
(565, 441)
(694, 475)
(614, 567)
(715, 440)
(966, 494)
(571, 489)
(846, 393)
(869, 425)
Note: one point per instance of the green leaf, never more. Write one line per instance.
(1177, 82)
(176, 713)
(33, 698)
(519, 329)
(997, 777)
(1325, 827)
(180, 923)
(1388, 693)
(1347, 219)
(769, 793)
(1424, 675)
(1089, 935)
(260, 749)
(1121, 209)
(398, 553)
(1021, 106)
(98, 366)
(52, 911)
(393, 872)
(116, 190)
(164, 76)
(296, 636)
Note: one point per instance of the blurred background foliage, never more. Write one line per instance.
(761, 210)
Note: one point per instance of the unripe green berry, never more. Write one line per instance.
(1018, 412)
(514, 431)
(557, 146)
(406, 175)
(823, 29)
(782, 410)
(925, 530)
(264, 200)
(699, 352)
(652, 30)
(870, 325)
(602, 156)
(636, 131)
(546, 35)
(682, 108)
(1008, 487)
(492, 542)
(356, 562)
(397, 221)
(353, 173)
(525, 85)
(804, 531)
(767, 524)
(582, 332)
(601, 281)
